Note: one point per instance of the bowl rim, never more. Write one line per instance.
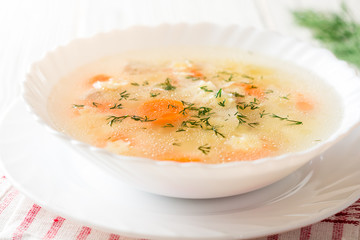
(331, 140)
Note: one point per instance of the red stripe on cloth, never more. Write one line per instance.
(57, 223)
(84, 233)
(18, 234)
(2, 179)
(337, 231)
(114, 237)
(305, 233)
(273, 237)
(7, 200)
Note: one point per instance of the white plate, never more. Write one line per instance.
(60, 180)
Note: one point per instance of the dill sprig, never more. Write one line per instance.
(167, 85)
(124, 95)
(78, 106)
(116, 119)
(205, 149)
(293, 122)
(154, 94)
(204, 88)
(337, 31)
(117, 106)
(218, 94)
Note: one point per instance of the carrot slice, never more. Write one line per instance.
(99, 78)
(163, 110)
(196, 73)
(303, 104)
(253, 91)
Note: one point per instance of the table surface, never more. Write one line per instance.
(28, 29)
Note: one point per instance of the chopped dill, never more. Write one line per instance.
(135, 84)
(168, 125)
(172, 106)
(95, 104)
(141, 119)
(286, 97)
(262, 114)
(78, 106)
(293, 122)
(115, 119)
(247, 76)
(241, 118)
(205, 89)
(236, 94)
(167, 85)
(222, 104)
(117, 106)
(205, 149)
(218, 94)
(192, 78)
(154, 94)
(253, 124)
(217, 133)
(124, 95)
(203, 111)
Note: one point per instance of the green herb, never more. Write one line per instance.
(95, 104)
(286, 97)
(167, 85)
(217, 133)
(168, 125)
(337, 31)
(222, 104)
(141, 119)
(187, 106)
(205, 149)
(254, 104)
(180, 130)
(78, 106)
(269, 91)
(154, 94)
(293, 122)
(124, 95)
(247, 76)
(205, 89)
(205, 121)
(192, 78)
(218, 94)
(176, 144)
(253, 86)
(253, 124)
(236, 94)
(145, 83)
(191, 123)
(172, 106)
(115, 119)
(203, 111)
(135, 84)
(117, 106)
(262, 114)
(241, 118)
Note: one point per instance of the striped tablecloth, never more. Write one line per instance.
(21, 218)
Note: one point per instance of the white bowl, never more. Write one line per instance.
(194, 180)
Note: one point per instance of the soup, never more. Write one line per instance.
(195, 105)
